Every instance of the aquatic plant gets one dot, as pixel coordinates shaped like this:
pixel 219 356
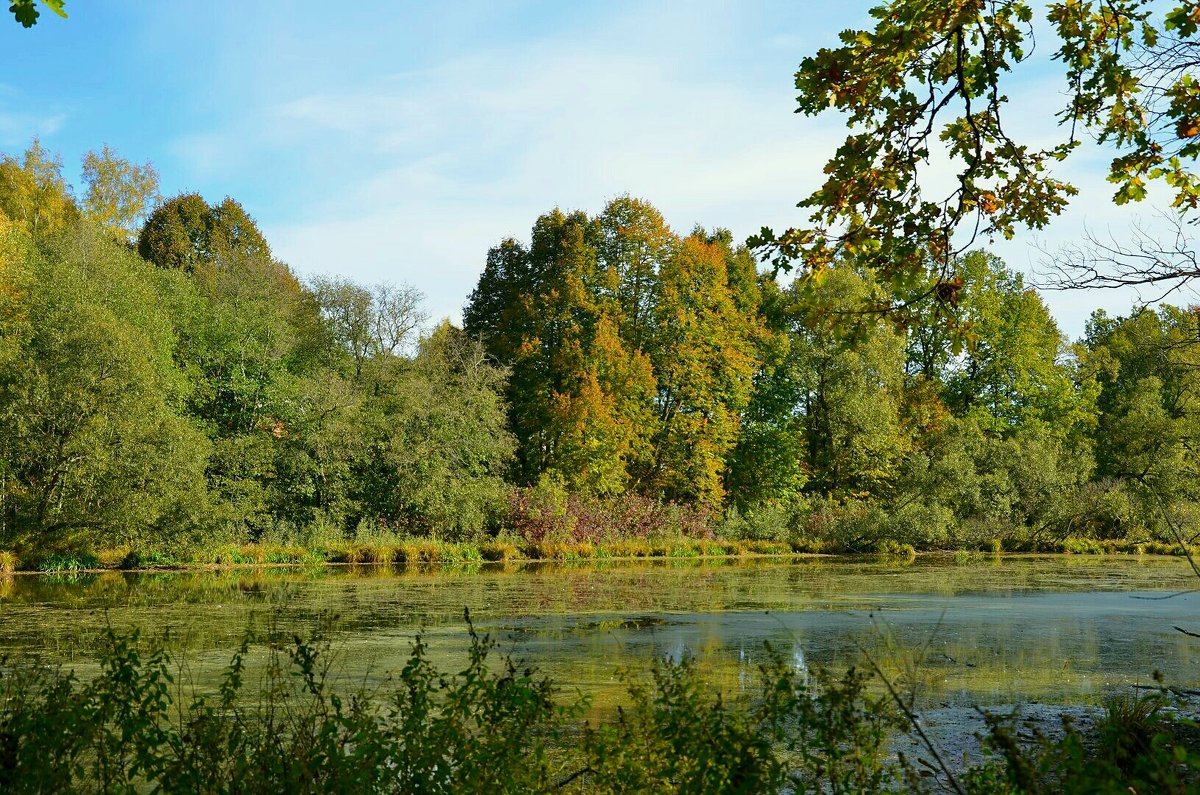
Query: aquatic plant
pixel 68 561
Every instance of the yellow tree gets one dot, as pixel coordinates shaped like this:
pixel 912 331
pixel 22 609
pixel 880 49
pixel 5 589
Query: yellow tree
pixel 33 192
pixel 119 194
pixel 704 356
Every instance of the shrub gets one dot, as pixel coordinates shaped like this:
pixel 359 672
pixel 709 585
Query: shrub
pixel 497 551
pixel 498 728
pixel 894 548
pixel 777 521
pixel 546 512
pixel 678 736
pixel 1081 546
pixel 474 731
pixel 489 728
pixel 149 559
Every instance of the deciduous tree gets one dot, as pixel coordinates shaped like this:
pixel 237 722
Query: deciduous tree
pixel 119 194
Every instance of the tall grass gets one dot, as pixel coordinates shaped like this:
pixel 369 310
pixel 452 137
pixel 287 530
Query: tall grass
pixel 406 551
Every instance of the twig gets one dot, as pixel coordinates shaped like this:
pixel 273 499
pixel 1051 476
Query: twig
pixel 1179 691
pixel 1168 596
pixel 914 722
pixel 565 781
pixel 1174 530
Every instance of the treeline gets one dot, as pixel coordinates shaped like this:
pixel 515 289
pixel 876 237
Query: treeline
pixel 171 381
pixel 164 379
pixel 646 362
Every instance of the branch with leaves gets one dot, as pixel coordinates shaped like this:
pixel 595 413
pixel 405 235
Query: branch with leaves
pixel 930 81
pixel 26 11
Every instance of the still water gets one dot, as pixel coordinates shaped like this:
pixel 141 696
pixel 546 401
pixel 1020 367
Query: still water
pixel 982 631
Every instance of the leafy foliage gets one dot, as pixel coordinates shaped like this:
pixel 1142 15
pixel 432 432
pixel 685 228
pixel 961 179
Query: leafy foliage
pixel 933 79
pixel 496 727
pixel 26 11
pixel 92 441
pixel 614 380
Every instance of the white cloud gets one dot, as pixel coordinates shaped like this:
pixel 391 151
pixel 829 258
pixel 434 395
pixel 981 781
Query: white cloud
pixel 411 175
pixel 18 128
pixel 472 151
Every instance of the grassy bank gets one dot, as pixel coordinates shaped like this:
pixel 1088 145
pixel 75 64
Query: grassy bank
pixel 397 553
pixel 424 551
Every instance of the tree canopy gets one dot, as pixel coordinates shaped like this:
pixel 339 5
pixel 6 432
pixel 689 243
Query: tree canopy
pixel 933 78
pixel 613 376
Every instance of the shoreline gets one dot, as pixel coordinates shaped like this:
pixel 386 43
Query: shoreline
pixel 448 555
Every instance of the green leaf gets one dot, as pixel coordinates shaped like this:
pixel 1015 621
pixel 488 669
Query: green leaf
pixel 25 12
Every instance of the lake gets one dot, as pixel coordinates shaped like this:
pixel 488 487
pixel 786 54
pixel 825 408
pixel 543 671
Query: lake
pixel 982 630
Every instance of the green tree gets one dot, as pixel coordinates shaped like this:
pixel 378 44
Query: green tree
pixel 966 486
pixel 827 413
pixel 578 395
pixel 438 443
pixel 849 374
pixel 249 340
pixel 632 352
pixel 94 448
pixel 704 354
pixel 635 243
pixel 1016 366
pixel 1147 367
pixel 769 464
pixel 186 232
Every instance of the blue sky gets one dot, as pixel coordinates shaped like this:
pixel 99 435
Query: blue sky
pixel 398 141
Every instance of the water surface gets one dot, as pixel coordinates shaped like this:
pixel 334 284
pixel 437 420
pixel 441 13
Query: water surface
pixel 984 631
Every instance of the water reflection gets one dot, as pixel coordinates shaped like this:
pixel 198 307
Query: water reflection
pixel 983 631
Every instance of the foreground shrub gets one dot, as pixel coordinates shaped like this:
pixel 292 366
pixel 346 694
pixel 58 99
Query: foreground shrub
pixel 494 727
pixel 1133 749
pixel 475 731
pixel 490 728
pixel 677 737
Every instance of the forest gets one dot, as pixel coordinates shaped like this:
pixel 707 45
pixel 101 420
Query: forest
pixel 167 384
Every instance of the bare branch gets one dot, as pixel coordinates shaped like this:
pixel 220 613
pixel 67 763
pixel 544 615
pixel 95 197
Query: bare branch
pixel 1149 256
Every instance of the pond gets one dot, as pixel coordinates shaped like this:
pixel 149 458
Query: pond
pixel 983 631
